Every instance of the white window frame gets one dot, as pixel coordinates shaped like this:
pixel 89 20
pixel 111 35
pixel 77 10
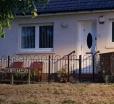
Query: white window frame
pixel 36 49
pixel 111 32
pixel 110 44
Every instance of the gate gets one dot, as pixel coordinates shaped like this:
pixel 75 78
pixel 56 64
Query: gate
pixel 74 68
pixel 90 69
pixel 65 68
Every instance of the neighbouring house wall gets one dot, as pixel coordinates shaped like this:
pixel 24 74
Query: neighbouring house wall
pixel 104 39
pixel 66 38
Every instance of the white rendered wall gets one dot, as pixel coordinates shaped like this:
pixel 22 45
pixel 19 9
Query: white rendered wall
pixel 66 38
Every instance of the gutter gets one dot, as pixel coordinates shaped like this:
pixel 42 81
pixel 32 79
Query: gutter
pixel 67 13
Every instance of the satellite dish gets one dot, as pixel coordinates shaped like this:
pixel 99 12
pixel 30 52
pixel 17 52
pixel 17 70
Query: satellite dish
pixel 89 40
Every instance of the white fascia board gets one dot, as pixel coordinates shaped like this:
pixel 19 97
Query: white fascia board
pixel 67 13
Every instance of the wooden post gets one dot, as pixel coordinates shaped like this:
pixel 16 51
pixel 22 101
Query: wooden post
pixel 49 62
pixel 12 78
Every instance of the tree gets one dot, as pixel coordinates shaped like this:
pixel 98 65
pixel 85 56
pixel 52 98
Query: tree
pixel 9 9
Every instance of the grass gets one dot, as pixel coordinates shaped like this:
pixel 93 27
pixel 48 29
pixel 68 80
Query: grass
pixel 69 102
pixel 28 102
pixel 55 93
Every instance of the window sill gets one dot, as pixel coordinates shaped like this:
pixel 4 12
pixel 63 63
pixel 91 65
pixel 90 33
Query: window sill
pixel 29 52
pixel 109 46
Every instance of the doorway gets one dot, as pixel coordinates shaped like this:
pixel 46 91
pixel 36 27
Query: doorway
pixel 88 37
pixel 88 45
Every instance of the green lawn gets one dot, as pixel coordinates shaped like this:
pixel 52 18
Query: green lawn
pixel 54 93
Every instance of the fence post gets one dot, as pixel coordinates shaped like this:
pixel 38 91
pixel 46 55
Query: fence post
pixel 8 62
pixel 93 62
pixel 80 66
pixel 11 73
pixel 49 62
pixel 68 68
pixel 29 73
pixel 12 78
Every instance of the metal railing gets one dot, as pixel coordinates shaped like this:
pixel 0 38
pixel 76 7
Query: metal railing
pixel 69 67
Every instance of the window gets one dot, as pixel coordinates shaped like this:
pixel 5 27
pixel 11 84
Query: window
pixel 36 38
pixel 112 31
pixel 28 37
pixel 46 37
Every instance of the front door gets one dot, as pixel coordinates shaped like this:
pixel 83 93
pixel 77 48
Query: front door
pixel 88 37
pixel 88 44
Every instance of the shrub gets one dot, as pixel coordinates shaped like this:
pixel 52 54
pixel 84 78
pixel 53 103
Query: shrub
pixel 62 75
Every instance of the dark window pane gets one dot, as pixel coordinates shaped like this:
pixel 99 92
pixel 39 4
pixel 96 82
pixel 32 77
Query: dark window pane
pixel 112 31
pixel 46 37
pixel 28 37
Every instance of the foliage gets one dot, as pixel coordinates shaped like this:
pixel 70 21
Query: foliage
pixel 9 9
pixel 62 75
pixel 107 77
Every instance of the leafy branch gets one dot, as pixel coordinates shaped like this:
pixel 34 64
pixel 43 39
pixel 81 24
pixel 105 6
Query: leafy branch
pixel 9 9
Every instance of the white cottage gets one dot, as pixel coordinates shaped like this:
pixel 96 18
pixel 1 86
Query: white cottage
pixel 62 26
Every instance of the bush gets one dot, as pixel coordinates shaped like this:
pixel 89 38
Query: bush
pixel 62 75
pixel 108 78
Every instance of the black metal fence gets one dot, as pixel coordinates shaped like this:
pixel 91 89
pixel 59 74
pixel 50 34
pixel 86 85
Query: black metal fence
pixel 70 68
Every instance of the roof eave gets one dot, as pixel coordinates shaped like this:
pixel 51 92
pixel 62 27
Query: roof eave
pixel 69 12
